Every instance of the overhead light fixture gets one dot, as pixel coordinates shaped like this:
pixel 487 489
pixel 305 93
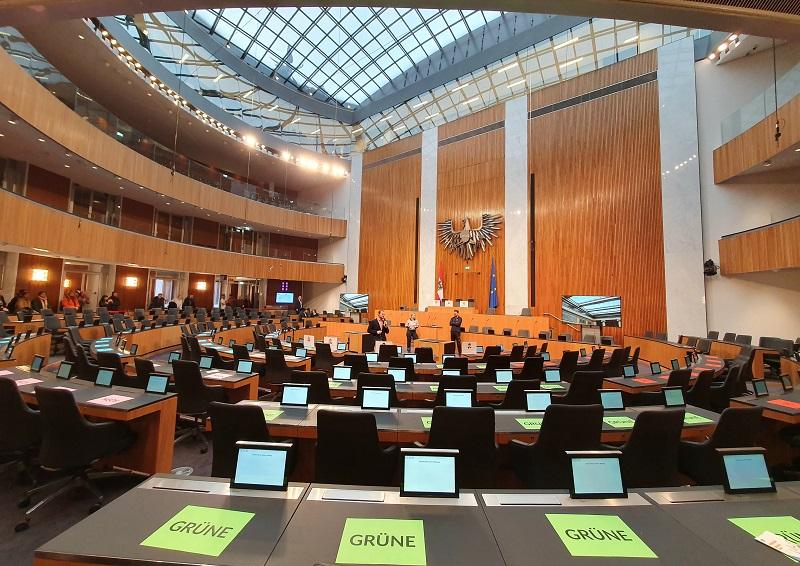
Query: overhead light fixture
pixel 733 37
pixel 418 104
pixel 573 62
pixel 80 36
pixel 515 83
pixel 12 122
pixel 465 85
pixel 631 39
pixel 39 275
pixel 294 121
pixel 568 42
pixel 357 130
pixel 41 140
pixel 250 141
pixel 471 100
pixel 67 166
pixel 42 250
pixel 506 68
pixel 722 47
pixel 433 115
pixel 798 149
pixel 315 131
pixel 219 76
pixel 712 56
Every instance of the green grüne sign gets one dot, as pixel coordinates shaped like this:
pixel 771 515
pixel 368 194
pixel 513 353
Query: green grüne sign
pixel 382 541
pixel 599 535
pixel 200 530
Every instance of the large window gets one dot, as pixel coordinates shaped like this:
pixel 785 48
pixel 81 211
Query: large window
pixel 95 205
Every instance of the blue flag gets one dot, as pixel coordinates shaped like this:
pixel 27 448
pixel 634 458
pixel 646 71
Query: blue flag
pixel 493 288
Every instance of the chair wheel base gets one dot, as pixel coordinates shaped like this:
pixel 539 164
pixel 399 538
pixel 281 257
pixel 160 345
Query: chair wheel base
pixel 23 526
pixel 24 503
pixel 95 507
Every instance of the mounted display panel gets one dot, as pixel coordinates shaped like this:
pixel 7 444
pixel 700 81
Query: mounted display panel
pixel 592 310
pixel 353 302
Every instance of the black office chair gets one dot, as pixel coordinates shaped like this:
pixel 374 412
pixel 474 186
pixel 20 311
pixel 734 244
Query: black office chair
pixel 517 353
pixel 424 355
pixel 319 390
pixel 349 452
pixel 114 361
pixel 634 360
pixel 568 364
pixel 490 351
pixel 86 368
pixel 194 397
pixel 20 428
pixel 699 394
pixel 743 339
pixel 532 368
pixel 544 464
pixel 194 348
pixel 737 427
pixel 597 358
pixel 584 389
pixel 233 423
pixel 677 378
pixel 531 351
pixel 456 382
pixel 650 456
pixel 358 363
pixel 240 352
pixel 720 394
pixel 376 380
pixel 71 445
pixel 275 371
pixel 712 334
pixel 324 360
pixel 471 432
pixel 386 352
pixel 515 394
pixel 492 364
pixel 461 364
pixel 217 361
pixel 144 369
pixel 614 366
pixel 405 363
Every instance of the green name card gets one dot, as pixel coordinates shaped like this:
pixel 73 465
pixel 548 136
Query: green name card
pixel 531 424
pixel 272 414
pixel 434 387
pixel 619 422
pixel 551 386
pixel 787 527
pixel 691 418
pixel 334 384
pixel 426 421
pixel 383 541
pixel 199 530
pixel 502 387
pixel 599 535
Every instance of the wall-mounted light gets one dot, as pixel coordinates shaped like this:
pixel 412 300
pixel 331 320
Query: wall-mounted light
pixel 131 281
pixel 201 286
pixel 39 275
pixel 67 283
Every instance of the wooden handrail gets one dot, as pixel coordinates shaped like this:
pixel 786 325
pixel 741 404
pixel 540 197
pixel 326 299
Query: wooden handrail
pixel 562 321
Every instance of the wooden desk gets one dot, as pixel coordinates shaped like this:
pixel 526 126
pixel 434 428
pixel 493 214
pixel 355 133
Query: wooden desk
pixel 293 362
pixel 152 417
pixel 661 351
pixel 237 386
pixel 25 350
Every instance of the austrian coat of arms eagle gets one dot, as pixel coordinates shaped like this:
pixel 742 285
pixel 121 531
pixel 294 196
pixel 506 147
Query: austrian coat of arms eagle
pixel 465 242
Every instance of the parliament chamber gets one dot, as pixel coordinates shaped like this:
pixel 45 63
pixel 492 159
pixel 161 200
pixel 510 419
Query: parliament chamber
pixel 413 285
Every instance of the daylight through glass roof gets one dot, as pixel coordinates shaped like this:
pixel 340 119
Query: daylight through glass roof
pixel 342 55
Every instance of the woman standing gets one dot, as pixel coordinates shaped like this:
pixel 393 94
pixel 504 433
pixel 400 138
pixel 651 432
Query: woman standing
pixel 411 330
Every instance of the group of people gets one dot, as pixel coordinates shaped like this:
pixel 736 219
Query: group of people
pixel 159 302
pixel 379 328
pixel 74 299
pixel 22 302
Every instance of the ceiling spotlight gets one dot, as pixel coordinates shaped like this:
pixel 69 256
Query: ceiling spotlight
pixel 722 47
pixel 733 37
pixel 712 56
pixel 80 36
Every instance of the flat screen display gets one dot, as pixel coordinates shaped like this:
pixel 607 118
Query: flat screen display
pixel 546 356
pixel 174 356
pixel 760 387
pixel 552 376
pixel 503 375
pixel 36 363
pixel 674 364
pixel 628 371
pixel 261 465
pixel 655 368
pixel 592 310
pixel 295 394
pixel 104 377
pixel 300 353
pixel 341 373
pixel 611 399
pixel 412 357
pixel 673 397
pixel 205 362
pixel 64 370
pixel 537 401
pixel 353 302
pixel 371 356
pixel 157 384
pixel 375 398
pixel 451 372
pixel 398 374
pixel 596 476
pixel 746 471
pixel 429 473
pixel 458 398
pixel 244 366
pixel 284 298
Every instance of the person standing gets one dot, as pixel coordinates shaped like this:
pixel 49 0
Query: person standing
pixel 379 327
pixel 455 330
pixel 411 330
pixel 188 301
pixel 222 302
pixel 40 302
pixel 298 304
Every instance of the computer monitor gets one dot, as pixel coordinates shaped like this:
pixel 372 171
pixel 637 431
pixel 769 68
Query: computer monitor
pixel 596 474
pixel 552 375
pixel 205 362
pixel 760 387
pixel 786 383
pixel 674 364
pixel 341 373
pixel 445 356
pixel 745 470
pixel 655 368
pixel 173 356
pixel 295 394
pixel 537 401
pixel 546 356
pixel 451 372
pixel 399 350
pixel 250 346
pixel 261 465
pixel 611 399
pixel 9 351
pixel 628 371
pixel 688 359
pixel 64 370
pixel 157 384
pixel 673 396
pixel 583 352
pixel 372 357
pixel 479 349
pixel 375 398
pixel 458 397
pixel 134 349
pixel 244 366
pixel 413 357
pixel 428 473
pixel 123 345
pixel 231 343
pixel 300 353
pixel 36 363
pixel 398 374
pixel 104 377
pixel 341 347
pixel 503 375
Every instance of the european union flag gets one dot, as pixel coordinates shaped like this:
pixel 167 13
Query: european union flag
pixel 493 288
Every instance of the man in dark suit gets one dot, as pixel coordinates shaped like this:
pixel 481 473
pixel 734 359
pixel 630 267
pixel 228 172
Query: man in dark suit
pixel 298 304
pixel 455 330
pixel 40 302
pixel 378 327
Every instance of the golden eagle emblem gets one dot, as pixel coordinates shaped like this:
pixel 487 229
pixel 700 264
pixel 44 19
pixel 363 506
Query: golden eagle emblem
pixel 466 241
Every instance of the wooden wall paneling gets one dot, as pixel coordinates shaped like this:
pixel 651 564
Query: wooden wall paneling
pixel 136 216
pixel 395 148
pixel 205 233
pixel 387 252
pixel 293 247
pixel 762 249
pixel 53 265
pixel 471 182
pixel 598 207
pixel 275 286
pixel 202 298
pixel 29 224
pixel 32 102
pixel 473 121
pixel 132 297
pixel 47 188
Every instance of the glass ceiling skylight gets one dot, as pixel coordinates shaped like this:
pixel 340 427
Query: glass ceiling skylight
pixel 338 54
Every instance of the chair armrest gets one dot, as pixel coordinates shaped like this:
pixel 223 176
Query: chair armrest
pixel 520 444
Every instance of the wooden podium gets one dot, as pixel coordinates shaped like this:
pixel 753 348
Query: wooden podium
pixel 360 341
pixel 440 347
